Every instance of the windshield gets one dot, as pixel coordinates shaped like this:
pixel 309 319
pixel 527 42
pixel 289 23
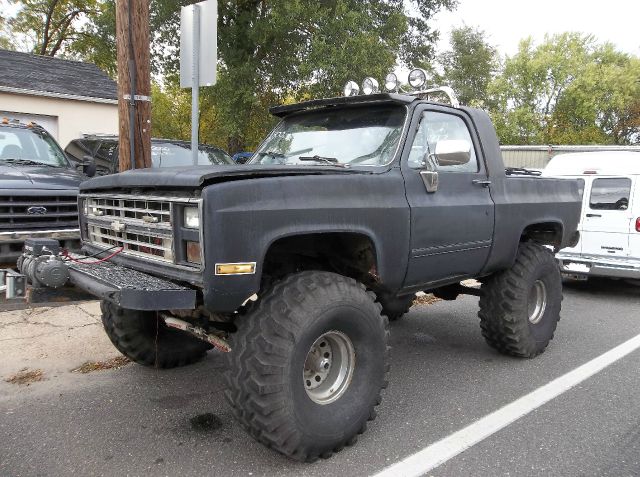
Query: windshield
pixel 30 146
pixel 365 135
pixel 172 154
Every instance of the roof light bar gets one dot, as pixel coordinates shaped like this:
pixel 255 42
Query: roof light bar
pixel 417 79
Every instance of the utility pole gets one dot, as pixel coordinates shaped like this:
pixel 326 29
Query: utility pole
pixel 134 83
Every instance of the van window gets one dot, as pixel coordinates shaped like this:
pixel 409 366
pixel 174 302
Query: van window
pixel 610 194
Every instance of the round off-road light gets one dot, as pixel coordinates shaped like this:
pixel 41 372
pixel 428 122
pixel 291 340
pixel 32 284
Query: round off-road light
pixel 391 82
pixel 351 88
pixel 370 85
pixel 417 78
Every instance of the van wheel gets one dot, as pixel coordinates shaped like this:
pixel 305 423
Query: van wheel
pixel 520 307
pixel 143 337
pixel 307 365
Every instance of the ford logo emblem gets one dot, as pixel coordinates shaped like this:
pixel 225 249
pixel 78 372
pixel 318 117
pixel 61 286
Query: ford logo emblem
pixel 37 210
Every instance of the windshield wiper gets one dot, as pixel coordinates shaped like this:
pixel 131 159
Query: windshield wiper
pixel 514 171
pixel 271 153
pixel 26 162
pixel 332 161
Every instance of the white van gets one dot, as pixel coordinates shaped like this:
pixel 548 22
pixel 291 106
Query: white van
pixel 609 226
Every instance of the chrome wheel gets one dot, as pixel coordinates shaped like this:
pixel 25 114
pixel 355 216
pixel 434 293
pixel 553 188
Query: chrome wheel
pixel 537 302
pixel 328 368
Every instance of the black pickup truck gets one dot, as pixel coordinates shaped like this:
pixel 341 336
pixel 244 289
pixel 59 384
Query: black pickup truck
pixel 294 263
pixel 38 189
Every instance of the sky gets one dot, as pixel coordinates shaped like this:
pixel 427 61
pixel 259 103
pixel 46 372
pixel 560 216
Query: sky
pixel 507 22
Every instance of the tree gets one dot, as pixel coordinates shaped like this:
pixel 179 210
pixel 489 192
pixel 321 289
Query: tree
pixel 468 66
pixel 271 51
pixel 568 90
pixel 52 25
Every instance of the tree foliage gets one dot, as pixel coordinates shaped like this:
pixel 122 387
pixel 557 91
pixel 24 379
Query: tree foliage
pixel 468 66
pixel 52 26
pixel 567 90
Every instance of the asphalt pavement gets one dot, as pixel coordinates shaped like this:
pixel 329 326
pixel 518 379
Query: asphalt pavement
pixel 140 421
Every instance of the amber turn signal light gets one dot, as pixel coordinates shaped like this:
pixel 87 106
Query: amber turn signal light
pixel 235 268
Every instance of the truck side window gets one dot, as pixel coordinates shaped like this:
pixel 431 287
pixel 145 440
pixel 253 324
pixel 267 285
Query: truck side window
pixel 433 127
pixel 610 194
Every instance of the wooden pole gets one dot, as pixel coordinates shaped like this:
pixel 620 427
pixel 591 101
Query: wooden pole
pixel 134 104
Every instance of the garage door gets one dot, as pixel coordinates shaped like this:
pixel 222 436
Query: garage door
pixel 50 123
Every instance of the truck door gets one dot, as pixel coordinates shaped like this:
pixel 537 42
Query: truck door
pixel 608 220
pixel 451 227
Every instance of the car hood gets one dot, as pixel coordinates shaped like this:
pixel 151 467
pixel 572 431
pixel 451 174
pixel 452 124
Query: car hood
pixel 197 176
pixel 37 177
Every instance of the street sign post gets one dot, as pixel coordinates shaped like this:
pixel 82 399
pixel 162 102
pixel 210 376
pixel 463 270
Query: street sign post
pixel 198 56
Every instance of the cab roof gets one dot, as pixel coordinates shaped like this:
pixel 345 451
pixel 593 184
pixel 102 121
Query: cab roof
pixel 609 163
pixel 286 109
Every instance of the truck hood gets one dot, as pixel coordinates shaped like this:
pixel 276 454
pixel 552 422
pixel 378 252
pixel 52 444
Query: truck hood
pixel 37 177
pixel 171 177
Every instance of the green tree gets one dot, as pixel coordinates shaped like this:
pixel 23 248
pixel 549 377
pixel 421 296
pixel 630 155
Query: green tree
pixel 469 65
pixel 291 49
pixel 568 90
pixel 52 25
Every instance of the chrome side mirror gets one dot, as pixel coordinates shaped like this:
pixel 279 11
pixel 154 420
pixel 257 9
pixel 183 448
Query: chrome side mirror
pixel 453 152
pixel 430 173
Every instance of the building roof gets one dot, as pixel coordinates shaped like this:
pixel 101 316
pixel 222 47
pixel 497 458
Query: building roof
pixel 24 73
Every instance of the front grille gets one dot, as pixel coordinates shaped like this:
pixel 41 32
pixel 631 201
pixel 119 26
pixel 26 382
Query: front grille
pixel 141 226
pixel 38 212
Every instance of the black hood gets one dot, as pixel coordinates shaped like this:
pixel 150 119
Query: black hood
pixel 169 177
pixel 13 176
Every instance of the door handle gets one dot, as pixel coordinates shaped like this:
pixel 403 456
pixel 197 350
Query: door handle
pixel 481 182
pixel 594 215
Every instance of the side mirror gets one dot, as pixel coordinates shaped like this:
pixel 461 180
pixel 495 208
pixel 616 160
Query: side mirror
pixel 89 166
pixel 453 152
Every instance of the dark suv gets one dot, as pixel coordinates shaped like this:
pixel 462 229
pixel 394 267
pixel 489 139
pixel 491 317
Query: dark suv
pixel 38 189
pixel 103 150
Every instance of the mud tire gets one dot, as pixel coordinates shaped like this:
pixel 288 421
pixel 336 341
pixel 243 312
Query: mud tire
pixel 143 337
pixel 264 376
pixel 505 303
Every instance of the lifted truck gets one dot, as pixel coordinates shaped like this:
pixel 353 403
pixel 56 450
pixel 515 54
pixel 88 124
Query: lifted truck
pixel 294 263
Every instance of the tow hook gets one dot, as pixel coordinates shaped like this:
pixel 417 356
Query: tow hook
pixel 197 331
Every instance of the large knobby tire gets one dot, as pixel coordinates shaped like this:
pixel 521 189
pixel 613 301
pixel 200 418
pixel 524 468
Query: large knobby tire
pixel 393 307
pixel 143 337
pixel 275 381
pixel 520 307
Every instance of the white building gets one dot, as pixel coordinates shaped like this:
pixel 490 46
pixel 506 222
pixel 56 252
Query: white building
pixel 66 97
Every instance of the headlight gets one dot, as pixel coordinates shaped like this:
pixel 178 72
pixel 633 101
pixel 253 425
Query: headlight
pixel 391 82
pixel 351 89
pixel 370 85
pixel 191 218
pixel 417 78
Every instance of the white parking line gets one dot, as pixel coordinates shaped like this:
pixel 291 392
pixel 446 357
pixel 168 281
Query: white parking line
pixel 439 452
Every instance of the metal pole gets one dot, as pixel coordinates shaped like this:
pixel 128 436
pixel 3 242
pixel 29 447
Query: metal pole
pixel 195 84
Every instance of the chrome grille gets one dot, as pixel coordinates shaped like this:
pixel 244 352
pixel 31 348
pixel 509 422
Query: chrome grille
pixel 21 212
pixel 141 226
pixel 137 210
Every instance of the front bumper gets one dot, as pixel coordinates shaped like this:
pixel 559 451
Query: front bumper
pixel 586 266
pixel 131 289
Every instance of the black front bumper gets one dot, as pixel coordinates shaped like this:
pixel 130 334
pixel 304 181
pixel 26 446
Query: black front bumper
pixel 131 289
